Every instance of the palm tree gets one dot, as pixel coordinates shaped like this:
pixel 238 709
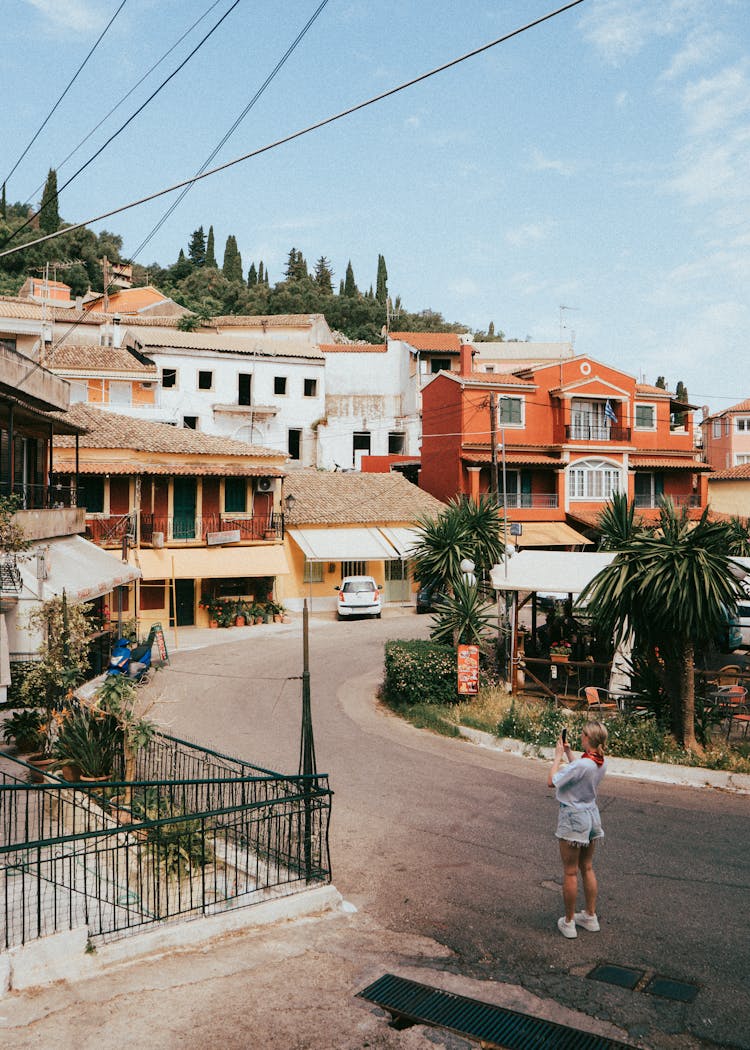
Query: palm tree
pixel 465 529
pixel 672 586
pixel 462 618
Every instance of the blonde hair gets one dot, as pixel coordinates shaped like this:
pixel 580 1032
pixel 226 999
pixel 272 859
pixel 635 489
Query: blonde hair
pixel 597 734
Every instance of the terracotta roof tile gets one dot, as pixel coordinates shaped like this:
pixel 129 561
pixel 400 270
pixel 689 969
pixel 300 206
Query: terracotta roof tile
pixel 156 338
pixel 670 462
pixel 739 473
pixel 88 357
pixel 64 463
pixel 338 498
pixel 646 388
pixel 445 342
pixel 265 320
pixel 741 406
pixel 353 348
pixel 115 431
pixel 539 459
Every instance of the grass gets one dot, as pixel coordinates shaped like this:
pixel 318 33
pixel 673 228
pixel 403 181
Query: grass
pixel 539 723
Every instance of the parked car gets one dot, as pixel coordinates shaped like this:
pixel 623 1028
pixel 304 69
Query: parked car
pixel 359 596
pixel 428 595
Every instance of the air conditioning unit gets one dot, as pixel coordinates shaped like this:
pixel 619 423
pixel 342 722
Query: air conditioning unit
pixel 158 540
pixel 147 384
pixel 265 484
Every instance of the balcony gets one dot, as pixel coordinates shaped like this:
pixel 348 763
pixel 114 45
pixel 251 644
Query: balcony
pixel 528 500
pixel 176 529
pixel 596 432
pixel 647 502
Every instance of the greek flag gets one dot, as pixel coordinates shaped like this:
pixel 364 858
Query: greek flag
pixel 609 412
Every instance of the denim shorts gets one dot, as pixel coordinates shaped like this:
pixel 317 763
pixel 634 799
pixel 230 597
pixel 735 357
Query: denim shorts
pixel 579 827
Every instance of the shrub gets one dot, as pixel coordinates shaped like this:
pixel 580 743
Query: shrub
pixel 419 672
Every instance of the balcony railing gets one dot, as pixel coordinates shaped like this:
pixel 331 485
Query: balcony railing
pixel 176 528
pixel 644 502
pixel 39 497
pixel 522 500
pixel 596 432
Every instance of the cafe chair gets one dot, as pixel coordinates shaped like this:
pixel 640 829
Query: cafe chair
pixel 598 701
pixel 734 707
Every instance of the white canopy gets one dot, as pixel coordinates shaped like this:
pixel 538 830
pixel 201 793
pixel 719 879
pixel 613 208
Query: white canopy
pixel 556 572
pixel 363 544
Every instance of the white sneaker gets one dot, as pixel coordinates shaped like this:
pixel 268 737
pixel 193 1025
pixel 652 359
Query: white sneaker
pixel 588 922
pixel 567 929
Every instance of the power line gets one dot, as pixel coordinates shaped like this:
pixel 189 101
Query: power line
pixel 172 208
pixel 127 95
pixel 122 127
pixel 67 89
pixel 297 134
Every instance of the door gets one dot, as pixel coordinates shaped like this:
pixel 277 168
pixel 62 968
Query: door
pixel 184 592
pixel 396 583
pixel 183 524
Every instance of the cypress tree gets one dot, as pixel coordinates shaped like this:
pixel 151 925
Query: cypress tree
pixel 324 275
pixel 197 247
pixel 261 278
pixel 232 267
pixel 49 216
pixel 350 287
pixel 381 284
pixel 252 276
pixel 341 286
pixel 661 382
pixel 211 250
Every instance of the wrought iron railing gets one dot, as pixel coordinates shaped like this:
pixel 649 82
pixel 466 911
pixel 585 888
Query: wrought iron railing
pixel 11 581
pixel 537 500
pixel 596 432
pixel 194 833
pixel 645 502
pixel 39 497
pixel 111 531
pixel 174 527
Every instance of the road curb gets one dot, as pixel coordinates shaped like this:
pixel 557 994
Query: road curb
pixel 635 769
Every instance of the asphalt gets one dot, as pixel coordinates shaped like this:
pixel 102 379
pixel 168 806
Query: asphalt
pixel 290 986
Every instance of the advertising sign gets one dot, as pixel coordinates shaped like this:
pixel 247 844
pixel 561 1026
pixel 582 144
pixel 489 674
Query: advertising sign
pixel 468 670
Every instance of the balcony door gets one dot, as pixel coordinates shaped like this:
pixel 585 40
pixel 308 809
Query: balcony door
pixel 588 421
pixel 183 523
pixel 648 489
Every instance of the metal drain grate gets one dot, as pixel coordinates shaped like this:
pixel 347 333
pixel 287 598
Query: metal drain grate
pixel 409 1002
pixel 666 988
pixel 622 976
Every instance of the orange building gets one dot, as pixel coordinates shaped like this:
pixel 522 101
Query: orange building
pixel 568 434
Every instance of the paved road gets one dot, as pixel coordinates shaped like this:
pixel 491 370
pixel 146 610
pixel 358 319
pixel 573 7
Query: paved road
pixel 438 838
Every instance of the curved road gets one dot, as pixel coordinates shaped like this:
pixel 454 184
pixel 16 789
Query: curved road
pixel 438 837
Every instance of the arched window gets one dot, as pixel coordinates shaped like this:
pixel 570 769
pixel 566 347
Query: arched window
pixel 593 480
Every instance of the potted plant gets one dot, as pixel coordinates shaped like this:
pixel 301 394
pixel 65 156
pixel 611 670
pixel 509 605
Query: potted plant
pixel 560 652
pixel 90 741
pixel 25 727
pixel 240 615
pixel 277 610
pixel 213 606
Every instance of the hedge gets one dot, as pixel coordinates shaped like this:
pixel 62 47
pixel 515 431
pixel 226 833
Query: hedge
pixel 419 672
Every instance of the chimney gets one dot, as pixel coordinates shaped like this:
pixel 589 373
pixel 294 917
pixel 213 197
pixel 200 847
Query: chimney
pixel 467 352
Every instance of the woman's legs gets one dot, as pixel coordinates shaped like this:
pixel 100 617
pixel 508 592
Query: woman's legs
pixel 588 876
pixel 570 859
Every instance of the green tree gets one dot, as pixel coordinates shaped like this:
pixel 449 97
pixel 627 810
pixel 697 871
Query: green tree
pixel 465 529
pixel 463 617
pixel 3 204
pixel 381 284
pixel 681 394
pixel 350 287
pixel 661 382
pixel 262 278
pixel 197 247
pixel 324 276
pixel 211 250
pixel 252 276
pixel 296 266
pixel 671 586
pixel 49 216
pixel 232 266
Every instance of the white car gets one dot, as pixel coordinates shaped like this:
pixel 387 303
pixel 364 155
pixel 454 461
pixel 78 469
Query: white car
pixel 359 596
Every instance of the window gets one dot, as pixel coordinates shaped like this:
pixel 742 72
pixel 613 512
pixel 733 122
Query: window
pixel 190 422
pixel 120 393
pixel 741 459
pixel 235 495
pixel 353 568
pixel 168 378
pixel 313 572
pixel 244 388
pixel 510 411
pixel 594 480
pixel 279 385
pixel 743 424
pixel 205 380
pixel 92 495
pixel 489 368
pixel 79 391
pixel 361 441
pixel 294 441
pixel 395 443
pixel 152 594
pixel 645 417
pixel 440 364
pixel 311 387
pixel 7 343
pixel 717 428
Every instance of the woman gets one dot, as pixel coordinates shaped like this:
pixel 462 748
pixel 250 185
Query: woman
pixel 579 824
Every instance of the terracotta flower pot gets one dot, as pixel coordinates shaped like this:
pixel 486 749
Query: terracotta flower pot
pixel 277 618
pixel 71 772
pixel 558 658
pixel 213 624
pixel 39 766
pixel 239 621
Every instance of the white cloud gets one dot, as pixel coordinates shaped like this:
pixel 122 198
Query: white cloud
pixel 412 122
pixel 538 162
pixel 714 103
pixel 75 15
pixel 622 99
pixel 464 287
pixel 619 29
pixel 700 48
pixel 530 233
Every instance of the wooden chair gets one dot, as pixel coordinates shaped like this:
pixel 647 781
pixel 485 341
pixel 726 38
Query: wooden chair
pixel 598 701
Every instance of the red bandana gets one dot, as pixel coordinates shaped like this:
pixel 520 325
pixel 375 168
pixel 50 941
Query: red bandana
pixel 599 759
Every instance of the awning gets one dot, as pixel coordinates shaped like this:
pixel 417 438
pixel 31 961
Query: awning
pixel 402 539
pixel 213 563
pixel 81 569
pixel 548 534
pixel 551 572
pixel 343 544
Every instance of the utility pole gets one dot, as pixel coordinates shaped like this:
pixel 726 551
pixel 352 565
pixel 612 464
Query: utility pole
pixel 105 278
pixel 494 485
pixel 307 764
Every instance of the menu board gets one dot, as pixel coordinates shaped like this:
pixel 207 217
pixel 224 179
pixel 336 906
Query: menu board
pixel 468 670
pixel 160 642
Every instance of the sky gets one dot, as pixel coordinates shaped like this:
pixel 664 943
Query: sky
pixel 587 179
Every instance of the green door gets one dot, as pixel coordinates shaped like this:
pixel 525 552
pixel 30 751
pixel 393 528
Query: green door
pixel 183 526
pixel 185 598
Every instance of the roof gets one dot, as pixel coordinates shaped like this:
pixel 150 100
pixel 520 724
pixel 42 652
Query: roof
pixel 126 464
pixel 339 498
pixel 658 462
pixel 741 406
pixel 232 344
pixel 88 357
pixel 738 473
pixel 656 391
pixel 529 459
pixel 354 348
pixel 132 300
pixel 442 342
pixel 486 379
pixel 114 431
pixel 558 572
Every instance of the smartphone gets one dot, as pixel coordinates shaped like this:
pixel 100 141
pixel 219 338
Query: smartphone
pixel 564 735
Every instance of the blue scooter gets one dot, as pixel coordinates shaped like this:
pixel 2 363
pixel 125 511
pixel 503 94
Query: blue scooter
pixel 132 663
